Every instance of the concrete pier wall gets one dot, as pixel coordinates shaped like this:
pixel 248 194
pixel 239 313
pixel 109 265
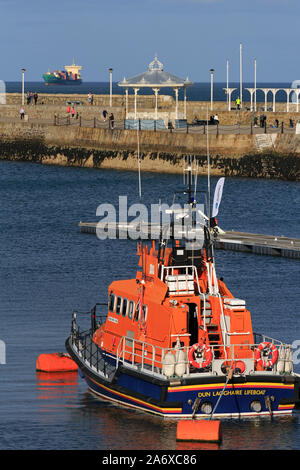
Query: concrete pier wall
pixel 231 155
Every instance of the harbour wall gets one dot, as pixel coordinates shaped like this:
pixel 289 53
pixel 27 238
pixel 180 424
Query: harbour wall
pixel 231 155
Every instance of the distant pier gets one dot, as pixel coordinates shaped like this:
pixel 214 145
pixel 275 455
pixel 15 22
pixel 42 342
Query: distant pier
pixel 234 241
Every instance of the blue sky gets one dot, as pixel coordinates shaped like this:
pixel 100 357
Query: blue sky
pixel 189 36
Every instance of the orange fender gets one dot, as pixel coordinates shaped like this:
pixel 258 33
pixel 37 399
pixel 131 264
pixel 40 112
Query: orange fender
pixel 56 362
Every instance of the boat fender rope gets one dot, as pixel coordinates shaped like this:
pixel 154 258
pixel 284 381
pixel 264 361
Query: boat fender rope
pixel 265 347
pixel 200 350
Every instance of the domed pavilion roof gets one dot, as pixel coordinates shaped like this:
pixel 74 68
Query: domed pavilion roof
pixel 155 76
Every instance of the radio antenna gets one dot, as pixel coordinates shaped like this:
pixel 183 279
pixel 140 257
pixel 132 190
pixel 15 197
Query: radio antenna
pixel 208 172
pixel 139 164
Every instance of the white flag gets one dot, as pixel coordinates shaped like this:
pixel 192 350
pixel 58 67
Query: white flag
pixel 217 197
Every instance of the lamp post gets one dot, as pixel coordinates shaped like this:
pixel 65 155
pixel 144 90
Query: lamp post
pixel 23 71
pixel 110 87
pixel 227 81
pixel 211 89
pixel 241 74
pixel 255 85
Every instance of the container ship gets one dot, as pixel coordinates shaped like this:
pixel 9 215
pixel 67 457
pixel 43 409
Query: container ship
pixel 69 76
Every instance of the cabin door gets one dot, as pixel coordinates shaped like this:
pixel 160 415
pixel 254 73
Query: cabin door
pixel 193 323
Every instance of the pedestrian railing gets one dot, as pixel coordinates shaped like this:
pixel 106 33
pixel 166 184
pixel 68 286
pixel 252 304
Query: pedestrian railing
pixel 204 129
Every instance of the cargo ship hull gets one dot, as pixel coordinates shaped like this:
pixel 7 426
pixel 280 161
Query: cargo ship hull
pixel 52 80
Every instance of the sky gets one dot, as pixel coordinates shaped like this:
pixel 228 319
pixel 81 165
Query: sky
pixel 189 36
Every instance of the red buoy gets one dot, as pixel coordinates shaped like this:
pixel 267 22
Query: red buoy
pixel 56 362
pixel 193 430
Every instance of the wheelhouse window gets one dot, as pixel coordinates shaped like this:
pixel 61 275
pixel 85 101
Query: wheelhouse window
pixel 111 302
pixel 124 307
pixel 145 311
pixel 137 312
pixel 131 309
pixel 118 305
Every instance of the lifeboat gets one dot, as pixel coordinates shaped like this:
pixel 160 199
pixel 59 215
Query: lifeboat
pixel 174 341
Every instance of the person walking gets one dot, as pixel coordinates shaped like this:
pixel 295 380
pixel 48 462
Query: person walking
pixel 22 112
pixel 73 111
pixel 104 113
pixel 35 97
pixel 261 120
pixel 238 103
pixel 111 121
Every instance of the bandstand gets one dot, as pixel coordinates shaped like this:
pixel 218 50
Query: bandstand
pixel 155 78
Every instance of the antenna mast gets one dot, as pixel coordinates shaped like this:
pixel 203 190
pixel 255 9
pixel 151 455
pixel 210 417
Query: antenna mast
pixel 139 164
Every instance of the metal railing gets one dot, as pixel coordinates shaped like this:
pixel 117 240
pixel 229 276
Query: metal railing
pixel 94 122
pixel 154 359
pixel 165 362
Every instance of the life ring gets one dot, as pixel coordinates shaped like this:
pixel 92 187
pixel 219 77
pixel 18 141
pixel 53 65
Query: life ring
pixel 266 362
pixel 204 351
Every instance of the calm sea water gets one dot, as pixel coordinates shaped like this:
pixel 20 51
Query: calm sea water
pixel 197 92
pixel 48 268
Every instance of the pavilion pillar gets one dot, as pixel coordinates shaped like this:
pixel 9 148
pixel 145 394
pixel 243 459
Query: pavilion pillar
pixel 251 91
pixel 184 102
pixel 126 103
pixel 135 102
pixel 266 99
pixel 297 98
pixel 229 91
pixel 156 90
pixel 176 103
pixel 229 99
pixel 274 99
pixel 287 90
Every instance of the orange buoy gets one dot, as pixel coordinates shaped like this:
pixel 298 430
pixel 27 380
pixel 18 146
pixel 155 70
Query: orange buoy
pixel 56 362
pixel 192 430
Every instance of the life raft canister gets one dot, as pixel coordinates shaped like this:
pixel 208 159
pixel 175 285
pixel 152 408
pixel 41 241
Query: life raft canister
pixel 269 362
pixel 203 351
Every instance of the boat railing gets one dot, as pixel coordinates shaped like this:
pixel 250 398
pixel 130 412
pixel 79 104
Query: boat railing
pixel 88 351
pixel 180 279
pixel 97 318
pixel 174 362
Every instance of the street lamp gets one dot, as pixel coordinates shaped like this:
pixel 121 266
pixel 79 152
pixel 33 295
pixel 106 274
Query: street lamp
pixel 23 71
pixel 211 89
pixel 110 87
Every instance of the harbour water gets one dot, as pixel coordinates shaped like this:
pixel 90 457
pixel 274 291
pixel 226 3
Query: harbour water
pixel 48 268
pixel 197 92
